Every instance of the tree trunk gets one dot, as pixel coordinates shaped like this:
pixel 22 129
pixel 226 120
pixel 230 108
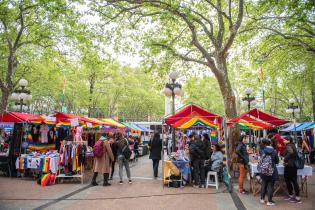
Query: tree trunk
pixel 5 93
pixel 229 101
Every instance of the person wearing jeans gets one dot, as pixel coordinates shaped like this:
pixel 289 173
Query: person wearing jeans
pixel 122 161
pixel 242 159
pixel 122 143
pixel 290 171
pixel 155 146
pixel 269 181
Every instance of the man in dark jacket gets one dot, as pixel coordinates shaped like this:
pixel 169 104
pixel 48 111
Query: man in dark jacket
pixel 242 159
pixel 290 171
pixel 197 153
pixel 269 181
pixel 155 146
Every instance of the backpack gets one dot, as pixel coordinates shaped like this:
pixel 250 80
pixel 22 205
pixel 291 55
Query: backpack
pixel 98 149
pixel 299 161
pixel 265 166
pixel 127 151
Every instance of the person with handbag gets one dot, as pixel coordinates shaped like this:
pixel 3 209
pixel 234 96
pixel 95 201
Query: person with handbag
pixel 123 156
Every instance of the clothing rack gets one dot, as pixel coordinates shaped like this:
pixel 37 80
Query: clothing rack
pixel 81 174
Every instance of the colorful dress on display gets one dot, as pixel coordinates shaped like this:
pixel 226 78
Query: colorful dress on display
pixel 78 134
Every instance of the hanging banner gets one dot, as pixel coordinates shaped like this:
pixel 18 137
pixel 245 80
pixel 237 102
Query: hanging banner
pixel 74 122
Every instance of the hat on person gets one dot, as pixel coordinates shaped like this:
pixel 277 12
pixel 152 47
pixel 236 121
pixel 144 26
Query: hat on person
pixel 103 138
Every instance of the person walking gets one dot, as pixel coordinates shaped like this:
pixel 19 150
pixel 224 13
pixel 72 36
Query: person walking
pixel 290 171
pixel 113 145
pixel 102 160
pixel 269 161
pixel 122 145
pixel 196 150
pixel 242 159
pixel 155 146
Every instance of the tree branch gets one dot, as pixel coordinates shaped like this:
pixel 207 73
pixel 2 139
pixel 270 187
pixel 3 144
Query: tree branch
pixel 235 27
pixel 183 57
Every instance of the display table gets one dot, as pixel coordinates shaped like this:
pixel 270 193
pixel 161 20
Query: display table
pixel 176 168
pixel 41 163
pixel 303 174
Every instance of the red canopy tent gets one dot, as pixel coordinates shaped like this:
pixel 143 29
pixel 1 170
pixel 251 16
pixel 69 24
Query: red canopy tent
pixel 192 112
pixel 15 117
pixel 258 118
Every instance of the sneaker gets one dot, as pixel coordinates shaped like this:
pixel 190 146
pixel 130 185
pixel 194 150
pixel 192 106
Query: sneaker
pixel 294 200
pixel 130 182
pixel 196 186
pixel 270 204
pixel 121 182
pixel 262 201
pixel 288 198
pixel 244 192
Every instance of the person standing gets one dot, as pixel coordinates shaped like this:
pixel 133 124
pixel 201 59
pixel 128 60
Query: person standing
pixel 270 159
pixel 290 171
pixel 242 159
pixel 102 161
pixel 113 146
pixel 122 144
pixel 207 143
pixel 196 150
pixel 155 146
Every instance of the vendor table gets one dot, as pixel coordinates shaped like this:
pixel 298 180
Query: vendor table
pixel 36 163
pixel 302 173
pixel 177 168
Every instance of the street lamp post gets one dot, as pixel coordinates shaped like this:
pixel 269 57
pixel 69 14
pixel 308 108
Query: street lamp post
pixel 173 89
pixel 292 109
pixel 21 95
pixel 249 99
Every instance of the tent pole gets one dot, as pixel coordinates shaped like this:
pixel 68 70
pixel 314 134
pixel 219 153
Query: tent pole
pixel 163 153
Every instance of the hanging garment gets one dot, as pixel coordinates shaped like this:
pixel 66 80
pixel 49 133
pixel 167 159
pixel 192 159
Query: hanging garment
pixel 44 129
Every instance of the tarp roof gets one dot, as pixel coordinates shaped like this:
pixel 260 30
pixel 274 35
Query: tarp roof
pixel 299 126
pixel 15 117
pixel 304 126
pixel 132 126
pixel 257 119
pixel 111 122
pixel 190 114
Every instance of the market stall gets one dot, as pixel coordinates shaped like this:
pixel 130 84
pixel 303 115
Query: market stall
pixel 187 119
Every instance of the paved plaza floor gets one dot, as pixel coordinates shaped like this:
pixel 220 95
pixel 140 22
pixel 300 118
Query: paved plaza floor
pixel 145 193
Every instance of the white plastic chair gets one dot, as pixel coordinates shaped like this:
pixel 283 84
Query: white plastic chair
pixel 210 183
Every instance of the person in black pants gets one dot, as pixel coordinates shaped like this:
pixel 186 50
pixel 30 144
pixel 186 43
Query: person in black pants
pixel 269 181
pixel 290 171
pixel 113 146
pixel 155 146
pixel 196 150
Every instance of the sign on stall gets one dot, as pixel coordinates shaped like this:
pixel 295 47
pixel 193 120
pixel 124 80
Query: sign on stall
pixel 50 119
pixel 89 125
pixel 74 122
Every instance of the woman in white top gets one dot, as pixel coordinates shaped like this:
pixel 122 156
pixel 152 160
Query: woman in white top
pixel 216 158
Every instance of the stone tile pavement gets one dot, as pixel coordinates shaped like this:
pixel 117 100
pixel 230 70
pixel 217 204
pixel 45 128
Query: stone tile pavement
pixel 144 193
